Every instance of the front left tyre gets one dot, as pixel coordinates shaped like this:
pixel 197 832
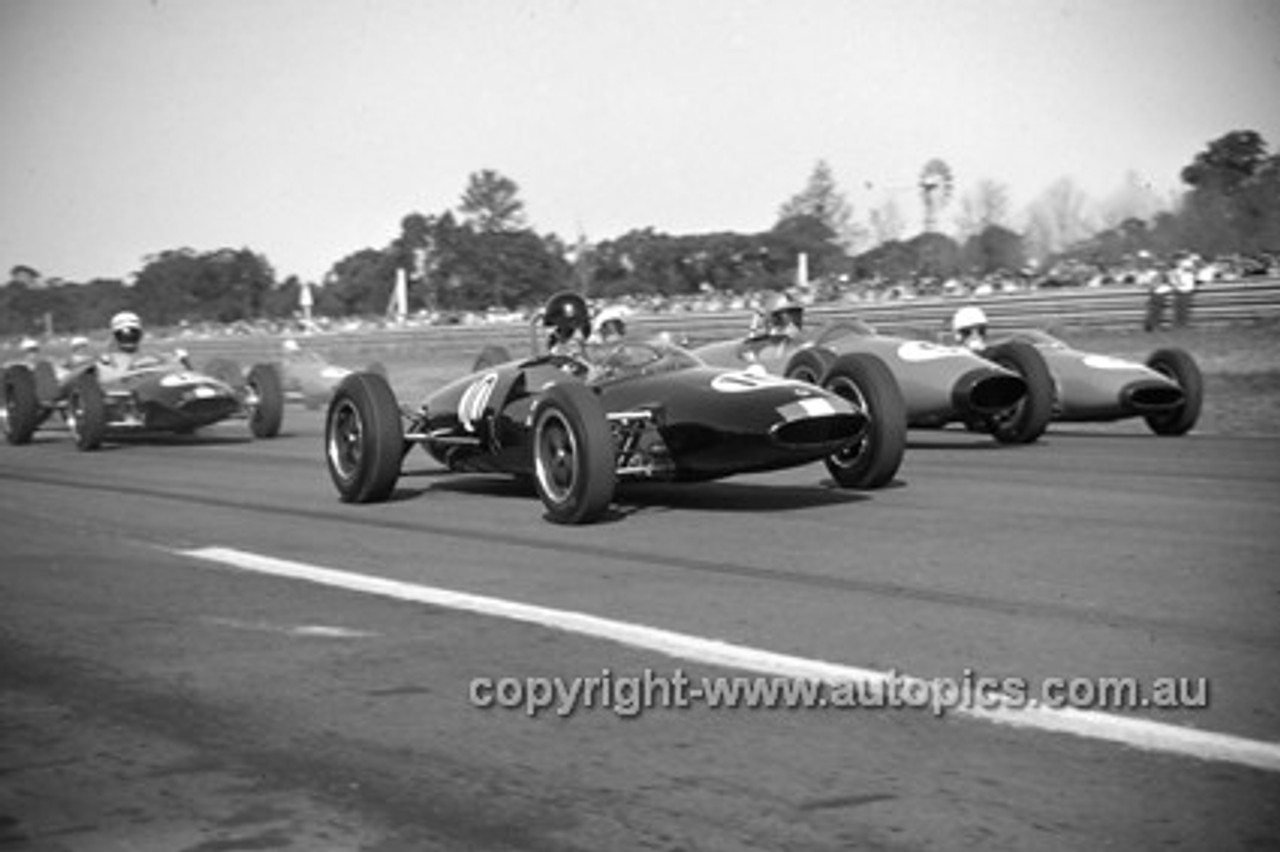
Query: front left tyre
pixel 364 439
pixel 573 454
pixel 873 460
pixel 1028 420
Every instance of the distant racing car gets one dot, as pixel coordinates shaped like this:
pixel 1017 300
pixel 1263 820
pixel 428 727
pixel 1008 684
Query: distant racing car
pixel 1006 391
pixel 1167 391
pixel 306 376
pixel 156 394
pixel 576 427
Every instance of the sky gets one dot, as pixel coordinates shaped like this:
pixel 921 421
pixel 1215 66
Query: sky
pixel 306 130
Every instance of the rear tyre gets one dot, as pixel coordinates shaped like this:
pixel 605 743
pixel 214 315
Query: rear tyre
pixel 809 365
pixel 1028 420
pixel 22 408
pixel 873 460
pixel 87 412
pixel 573 463
pixel 1179 366
pixel 266 400
pixel 490 356
pixel 364 439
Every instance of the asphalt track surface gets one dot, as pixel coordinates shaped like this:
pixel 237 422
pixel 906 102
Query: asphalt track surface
pixel 156 699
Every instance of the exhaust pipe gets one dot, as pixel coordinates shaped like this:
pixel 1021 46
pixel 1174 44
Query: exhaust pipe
pixel 985 391
pixel 1147 397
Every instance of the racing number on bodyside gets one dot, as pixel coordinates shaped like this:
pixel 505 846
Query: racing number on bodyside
pixel 474 401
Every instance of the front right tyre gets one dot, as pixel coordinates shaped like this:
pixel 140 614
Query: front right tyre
pixel 573 454
pixel 265 394
pixel 364 439
pixel 86 412
pixel 22 408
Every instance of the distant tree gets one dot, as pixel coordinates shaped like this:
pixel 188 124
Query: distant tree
pixel 984 206
pixel 474 269
pixel 1133 199
pixel 1234 202
pixel 823 200
pixel 994 249
pixel 490 203
pixel 282 300
pixel 23 274
pixel 1228 163
pixel 887 222
pixel 181 284
pixel 360 283
pixel 936 255
pixel 1058 218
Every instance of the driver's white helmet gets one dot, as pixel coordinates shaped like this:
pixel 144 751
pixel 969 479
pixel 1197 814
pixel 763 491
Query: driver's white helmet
pixel 29 344
pixel 611 323
pixel 782 315
pixel 126 328
pixel 291 346
pixel 970 326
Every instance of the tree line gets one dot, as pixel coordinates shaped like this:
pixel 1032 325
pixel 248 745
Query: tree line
pixel 483 253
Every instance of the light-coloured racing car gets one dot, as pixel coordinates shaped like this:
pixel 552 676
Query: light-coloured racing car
pixel 1005 391
pixel 306 376
pixel 1167 391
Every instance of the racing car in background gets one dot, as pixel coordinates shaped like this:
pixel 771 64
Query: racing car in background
pixel 1167 391
pixel 1006 391
pixel 155 394
pixel 577 426
pixel 306 376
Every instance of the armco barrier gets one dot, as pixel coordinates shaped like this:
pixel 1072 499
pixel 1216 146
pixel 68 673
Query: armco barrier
pixel 1102 307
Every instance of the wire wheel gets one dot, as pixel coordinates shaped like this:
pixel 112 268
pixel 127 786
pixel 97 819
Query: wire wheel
pixel 346 440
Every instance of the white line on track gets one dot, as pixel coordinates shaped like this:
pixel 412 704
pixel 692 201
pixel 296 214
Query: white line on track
pixel 1131 731
pixel 322 631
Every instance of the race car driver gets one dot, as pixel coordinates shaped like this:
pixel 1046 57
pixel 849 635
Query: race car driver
pixel 611 325
pixel 569 319
pixel 774 329
pixel 969 327
pixel 126 336
pixel 783 317
pixel 79 352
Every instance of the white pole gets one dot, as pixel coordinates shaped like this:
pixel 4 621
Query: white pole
pixel 402 295
pixel 802 270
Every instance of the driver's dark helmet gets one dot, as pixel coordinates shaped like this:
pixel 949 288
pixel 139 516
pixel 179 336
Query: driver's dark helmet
pixel 126 328
pixel 567 314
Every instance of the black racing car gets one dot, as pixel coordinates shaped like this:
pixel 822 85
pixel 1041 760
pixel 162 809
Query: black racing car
pixel 577 426
pixel 154 394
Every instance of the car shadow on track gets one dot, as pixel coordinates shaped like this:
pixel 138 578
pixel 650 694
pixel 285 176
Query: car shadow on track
pixel 156 439
pixel 645 497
